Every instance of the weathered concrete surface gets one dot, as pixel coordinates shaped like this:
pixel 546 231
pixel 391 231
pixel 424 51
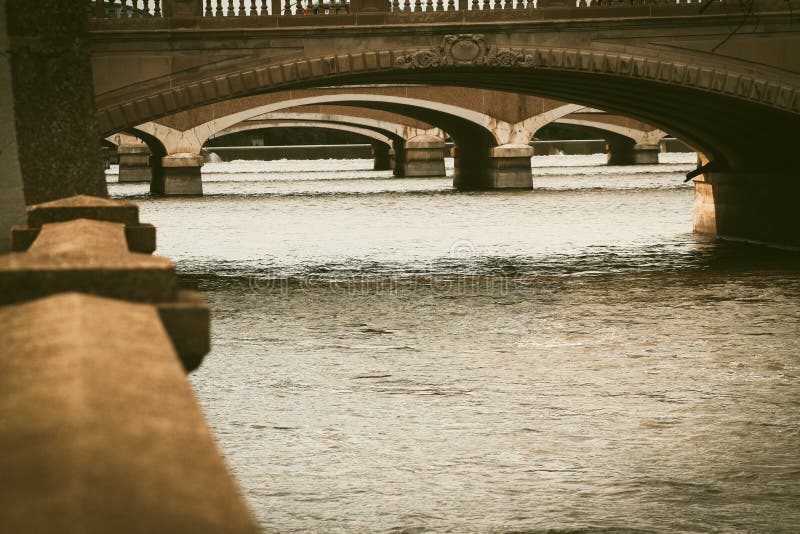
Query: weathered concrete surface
pixel 83 207
pixel 140 237
pixel 57 138
pixel 12 196
pixel 751 207
pixel 100 430
pixel 87 256
pixel 510 167
pixel 181 176
pixel 188 322
pixel 134 163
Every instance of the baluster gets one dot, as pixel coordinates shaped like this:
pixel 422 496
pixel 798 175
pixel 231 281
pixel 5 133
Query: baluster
pixel 209 12
pixel 253 8
pixel 396 6
pixel 123 9
pixel 218 10
pixel 430 5
pixel 241 12
pixel 451 5
pixel 157 8
pixel 229 12
pixel 263 8
pixel 287 9
pixel 417 6
pixel 439 5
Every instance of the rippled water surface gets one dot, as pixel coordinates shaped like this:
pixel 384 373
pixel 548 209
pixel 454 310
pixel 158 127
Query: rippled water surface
pixel 393 356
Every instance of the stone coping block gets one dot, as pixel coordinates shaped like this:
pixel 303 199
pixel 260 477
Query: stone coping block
pixel 133 149
pixel 100 429
pixel 182 160
pixel 83 207
pixel 87 256
pixel 140 238
pixel 512 151
pixel 188 322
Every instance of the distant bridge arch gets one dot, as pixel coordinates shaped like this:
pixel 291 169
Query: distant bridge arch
pixel 374 136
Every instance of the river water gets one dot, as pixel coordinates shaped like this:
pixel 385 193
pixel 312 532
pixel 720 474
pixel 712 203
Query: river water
pixel 394 356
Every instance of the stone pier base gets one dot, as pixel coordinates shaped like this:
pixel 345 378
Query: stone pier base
pixel 423 155
pixel 134 163
pixel 180 175
pixel 760 208
pixel 383 161
pixel 505 167
pixel 509 167
pixel 630 154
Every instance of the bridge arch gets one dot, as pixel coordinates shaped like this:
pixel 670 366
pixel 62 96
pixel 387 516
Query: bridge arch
pixel 373 136
pixel 690 96
pixel 637 136
pixel 468 125
pixel 394 131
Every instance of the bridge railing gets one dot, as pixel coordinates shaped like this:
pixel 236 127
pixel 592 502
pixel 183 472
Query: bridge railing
pixel 137 9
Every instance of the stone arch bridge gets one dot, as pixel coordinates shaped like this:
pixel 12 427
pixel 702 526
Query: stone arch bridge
pixel 495 126
pixel 718 75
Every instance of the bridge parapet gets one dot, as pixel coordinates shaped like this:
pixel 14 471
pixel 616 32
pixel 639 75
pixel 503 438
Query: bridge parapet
pixel 282 13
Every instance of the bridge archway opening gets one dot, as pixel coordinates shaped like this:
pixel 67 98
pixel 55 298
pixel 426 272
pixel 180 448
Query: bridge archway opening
pixel 699 114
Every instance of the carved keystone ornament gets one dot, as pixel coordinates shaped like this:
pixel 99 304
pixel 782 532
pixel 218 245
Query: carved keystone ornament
pixel 465 50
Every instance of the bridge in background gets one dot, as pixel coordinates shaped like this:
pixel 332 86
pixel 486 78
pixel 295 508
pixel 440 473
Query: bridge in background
pixel 127 449
pixel 414 122
pixel 710 74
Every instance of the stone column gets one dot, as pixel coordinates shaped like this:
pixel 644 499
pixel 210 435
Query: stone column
pixel 761 208
pixel 180 175
pixel 626 152
pixel 423 155
pixel 397 155
pixel 12 197
pixel 134 163
pixel 57 137
pixel 620 151
pixel 383 161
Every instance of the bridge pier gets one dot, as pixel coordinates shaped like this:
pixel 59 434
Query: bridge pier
pixel 134 163
pixel 180 176
pixel 629 153
pixel 383 158
pixel 505 167
pixel 751 207
pixel 422 155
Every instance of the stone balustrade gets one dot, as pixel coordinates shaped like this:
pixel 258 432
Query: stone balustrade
pixel 143 9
